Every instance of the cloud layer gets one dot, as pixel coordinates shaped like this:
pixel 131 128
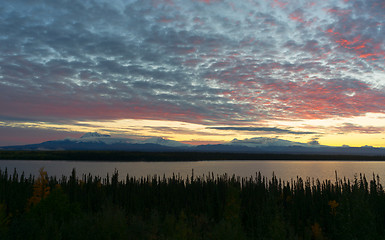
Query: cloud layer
pixel 210 62
pixel 263 130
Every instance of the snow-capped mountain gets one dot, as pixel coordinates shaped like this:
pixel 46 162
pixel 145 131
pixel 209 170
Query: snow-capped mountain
pixel 95 135
pixel 97 141
pixel 107 139
pixel 164 142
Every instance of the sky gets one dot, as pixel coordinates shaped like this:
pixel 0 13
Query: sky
pixel 195 71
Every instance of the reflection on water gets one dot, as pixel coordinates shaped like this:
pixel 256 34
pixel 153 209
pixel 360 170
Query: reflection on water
pixel 285 170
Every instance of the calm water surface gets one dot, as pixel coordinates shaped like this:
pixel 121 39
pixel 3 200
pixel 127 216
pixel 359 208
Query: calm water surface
pixel 285 170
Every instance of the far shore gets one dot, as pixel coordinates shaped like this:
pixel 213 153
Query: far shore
pixel 124 156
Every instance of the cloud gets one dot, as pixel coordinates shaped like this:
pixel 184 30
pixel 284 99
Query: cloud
pixel 210 62
pixel 355 128
pixel 263 129
pixel 266 142
pixel 169 131
pixel 18 136
pixel 314 142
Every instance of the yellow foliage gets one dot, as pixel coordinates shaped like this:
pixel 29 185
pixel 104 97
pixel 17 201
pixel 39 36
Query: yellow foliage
pixel 333 205
pixel 316 231
pixel 40 189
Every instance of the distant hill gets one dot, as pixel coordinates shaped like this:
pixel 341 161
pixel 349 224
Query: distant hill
pixel 96 141
pixel 260 145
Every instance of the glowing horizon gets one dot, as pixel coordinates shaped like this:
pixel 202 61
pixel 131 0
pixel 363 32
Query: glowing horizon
pixel 330 132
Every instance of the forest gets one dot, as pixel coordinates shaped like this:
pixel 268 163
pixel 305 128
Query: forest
pixel 193 207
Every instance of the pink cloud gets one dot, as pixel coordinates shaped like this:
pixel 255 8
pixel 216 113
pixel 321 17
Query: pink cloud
pixel 315 99
pixel 277 3
pixel 363 48
pixel 297 16
pixel 338 12
pixel 349 127
pixel 208 1
pixel 165 20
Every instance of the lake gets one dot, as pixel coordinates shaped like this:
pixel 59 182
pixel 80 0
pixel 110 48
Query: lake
pixel 285 170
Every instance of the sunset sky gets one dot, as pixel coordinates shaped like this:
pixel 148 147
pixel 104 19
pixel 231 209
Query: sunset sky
pixel 195 71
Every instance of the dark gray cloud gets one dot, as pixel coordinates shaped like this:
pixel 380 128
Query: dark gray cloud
pixel 265 141
pixel 263 129
pixel 314 141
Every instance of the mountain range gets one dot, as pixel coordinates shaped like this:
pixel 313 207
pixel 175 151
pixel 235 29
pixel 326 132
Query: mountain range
pixel 96 141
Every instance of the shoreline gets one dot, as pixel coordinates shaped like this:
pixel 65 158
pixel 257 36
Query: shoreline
pixel 123 156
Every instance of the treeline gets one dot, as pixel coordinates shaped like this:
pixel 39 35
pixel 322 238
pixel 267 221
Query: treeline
pixel 205 207
pixel 169 156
